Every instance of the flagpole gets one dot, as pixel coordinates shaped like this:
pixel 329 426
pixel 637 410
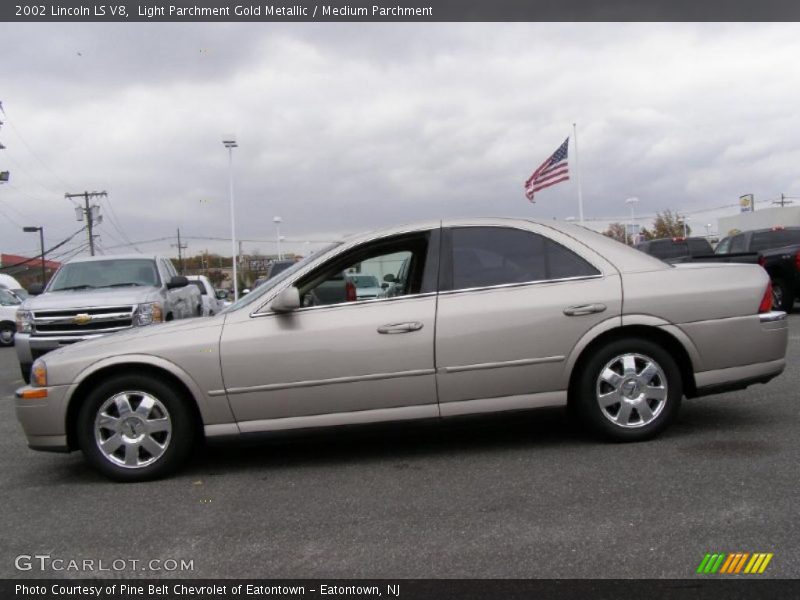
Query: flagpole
pixel 578 172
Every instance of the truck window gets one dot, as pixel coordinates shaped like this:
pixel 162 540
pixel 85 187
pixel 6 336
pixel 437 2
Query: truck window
pixel 737 243
pixel 105 273
pixel 764 240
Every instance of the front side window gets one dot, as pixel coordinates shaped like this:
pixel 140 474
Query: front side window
pixel 489 256
pixel 737 243
pixel 384 269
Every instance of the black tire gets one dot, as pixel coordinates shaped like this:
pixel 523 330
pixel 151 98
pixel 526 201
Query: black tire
pixel 7 331
pixel 177 444
pixel 586 394
pixel 782 297
pixel 25 369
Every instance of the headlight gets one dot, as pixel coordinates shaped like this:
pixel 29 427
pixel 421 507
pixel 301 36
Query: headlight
pixel 39 373
pixel 147 314
pixel 24 321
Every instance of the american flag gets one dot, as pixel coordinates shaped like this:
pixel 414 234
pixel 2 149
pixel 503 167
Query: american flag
pixel 552 171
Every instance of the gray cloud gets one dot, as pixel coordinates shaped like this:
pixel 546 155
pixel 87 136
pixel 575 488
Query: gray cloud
pixel 345 127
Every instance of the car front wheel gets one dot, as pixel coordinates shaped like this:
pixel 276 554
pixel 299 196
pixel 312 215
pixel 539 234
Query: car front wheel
pixel 629 390
pixel 133 428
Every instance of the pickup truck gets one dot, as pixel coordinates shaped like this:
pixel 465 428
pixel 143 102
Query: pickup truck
pixel 675 247
pixel 777 249
pixel 212 300
pixel 93 296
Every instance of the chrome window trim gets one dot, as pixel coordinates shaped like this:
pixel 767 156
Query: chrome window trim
pixel 353 303
pixel 520 284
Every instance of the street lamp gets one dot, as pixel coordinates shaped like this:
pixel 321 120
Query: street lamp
pixel 229 142
pixel 41 241
pixel 632 203
pixel 278 221
pixel 708 230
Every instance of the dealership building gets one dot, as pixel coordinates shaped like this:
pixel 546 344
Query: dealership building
pixel 778 216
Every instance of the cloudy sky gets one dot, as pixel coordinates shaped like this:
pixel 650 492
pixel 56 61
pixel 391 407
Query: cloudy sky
pixel 346 127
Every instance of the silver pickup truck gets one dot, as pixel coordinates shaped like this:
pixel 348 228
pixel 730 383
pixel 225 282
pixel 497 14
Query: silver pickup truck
pixel 90 297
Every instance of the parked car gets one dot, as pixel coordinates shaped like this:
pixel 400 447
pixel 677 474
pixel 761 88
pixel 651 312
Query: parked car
pixel 11 284
pixel 493 315
pixel 366 286
pixel 212 304
pixel 675 247
pixel 9 303
pixel 777 249
pixel 93 296
pixel 273 268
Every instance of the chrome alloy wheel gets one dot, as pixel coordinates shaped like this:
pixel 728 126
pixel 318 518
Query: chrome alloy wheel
pixel 631 390
pixel 132 429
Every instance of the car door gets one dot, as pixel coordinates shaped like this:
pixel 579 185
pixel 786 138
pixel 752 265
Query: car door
pixel 512 306
pixel 337 359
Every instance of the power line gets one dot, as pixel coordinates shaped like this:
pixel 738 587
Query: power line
pixel 45 253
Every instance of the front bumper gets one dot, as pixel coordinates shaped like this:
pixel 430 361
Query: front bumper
pixel 44 419
pixel 30 347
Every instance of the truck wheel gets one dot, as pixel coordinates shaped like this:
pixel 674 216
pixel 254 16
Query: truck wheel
pixel 7 331
pixel 628 390
pixel 782 298
pixel 133 428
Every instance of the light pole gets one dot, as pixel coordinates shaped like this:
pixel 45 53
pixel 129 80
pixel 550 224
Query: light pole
pixel 278 221
pixel 708 231
pixel 41 242
pixel 230 143
pixel 632 203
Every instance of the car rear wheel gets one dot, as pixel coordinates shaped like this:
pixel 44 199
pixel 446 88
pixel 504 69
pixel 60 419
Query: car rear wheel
pixel 629 390
pixel 7 331
pixel 134 428
pixel 782 298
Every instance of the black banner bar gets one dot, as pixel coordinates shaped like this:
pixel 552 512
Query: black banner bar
pixel 417 11
pixel 705 587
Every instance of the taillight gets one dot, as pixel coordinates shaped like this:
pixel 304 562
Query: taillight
pixel 762 261
pixel 797 261
pixel 350 291
pixel 766 301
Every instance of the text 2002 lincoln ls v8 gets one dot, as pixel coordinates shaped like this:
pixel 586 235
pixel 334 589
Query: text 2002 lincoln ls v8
pixel 485 315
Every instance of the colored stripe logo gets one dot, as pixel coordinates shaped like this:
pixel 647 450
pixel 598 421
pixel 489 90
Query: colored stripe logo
pixel 735 563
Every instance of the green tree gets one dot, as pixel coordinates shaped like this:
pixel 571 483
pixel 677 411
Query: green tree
pixel 616 231
pixel 669 224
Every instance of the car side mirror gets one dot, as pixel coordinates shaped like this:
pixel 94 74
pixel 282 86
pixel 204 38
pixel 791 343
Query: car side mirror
pixel 287 301
pixel 384 285
pixel 389 278
pixel 222 294
pixel 177 281
pixel 35 289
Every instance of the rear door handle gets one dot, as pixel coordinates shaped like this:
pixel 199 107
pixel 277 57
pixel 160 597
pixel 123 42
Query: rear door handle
pixel 400 327
pixel 584 309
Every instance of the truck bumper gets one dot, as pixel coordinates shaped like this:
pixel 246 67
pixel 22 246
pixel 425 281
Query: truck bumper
pixel 44 419
pixel 30 347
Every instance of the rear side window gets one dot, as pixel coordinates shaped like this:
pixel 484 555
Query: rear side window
pixel 488 256
pixel 764 240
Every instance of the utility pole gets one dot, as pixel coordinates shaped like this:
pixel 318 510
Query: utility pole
pixel 89 213
pixel 785 200
pixel 181 247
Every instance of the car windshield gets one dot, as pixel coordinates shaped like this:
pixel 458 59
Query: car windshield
pixel 105 273
pixel 282 276
pixel 364 281
pixel 7 298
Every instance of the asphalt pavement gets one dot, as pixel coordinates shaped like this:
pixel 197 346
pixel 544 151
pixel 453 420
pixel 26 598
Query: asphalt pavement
pixel 525 496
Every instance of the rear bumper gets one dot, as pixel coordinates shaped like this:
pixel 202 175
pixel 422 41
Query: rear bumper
pixel 764 339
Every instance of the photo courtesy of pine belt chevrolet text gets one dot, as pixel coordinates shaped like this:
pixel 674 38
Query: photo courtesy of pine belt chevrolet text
pixel 470 316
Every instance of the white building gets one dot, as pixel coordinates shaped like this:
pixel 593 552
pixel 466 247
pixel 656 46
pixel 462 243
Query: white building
pixel 760 219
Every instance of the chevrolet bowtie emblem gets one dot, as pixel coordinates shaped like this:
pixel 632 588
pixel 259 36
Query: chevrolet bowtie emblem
pixel 81 319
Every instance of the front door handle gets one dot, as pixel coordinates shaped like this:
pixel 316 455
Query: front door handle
pixel 400 327
pixel 584 309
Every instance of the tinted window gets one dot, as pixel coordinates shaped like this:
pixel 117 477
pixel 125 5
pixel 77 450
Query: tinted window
pixel 737 243
pixel 668 249
pixel 486 256
pixel 763 240
pixel 699 246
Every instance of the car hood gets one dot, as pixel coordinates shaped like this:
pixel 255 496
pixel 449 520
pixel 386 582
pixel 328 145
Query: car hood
pixel 91 298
